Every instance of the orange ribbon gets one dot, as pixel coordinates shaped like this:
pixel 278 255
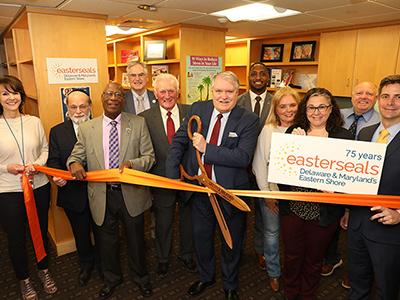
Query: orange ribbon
pixel 33 219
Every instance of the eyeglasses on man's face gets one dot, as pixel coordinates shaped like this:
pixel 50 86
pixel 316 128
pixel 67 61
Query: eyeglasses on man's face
pixel 323 108
pixel 140 75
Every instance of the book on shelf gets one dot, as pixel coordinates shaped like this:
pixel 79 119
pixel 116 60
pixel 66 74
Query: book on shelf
pixel 287 76
pixel 276 77
pixel 125 81
pixel 158 69
pixel 128 55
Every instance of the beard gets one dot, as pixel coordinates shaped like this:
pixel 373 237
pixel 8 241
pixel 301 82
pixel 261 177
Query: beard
pixel 80 119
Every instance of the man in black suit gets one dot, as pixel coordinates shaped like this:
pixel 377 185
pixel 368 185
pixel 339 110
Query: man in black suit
pixel 138 99
pixel 162 120
pixel 258 100
pixel 374 233
pixel 72 195
pixel 227 142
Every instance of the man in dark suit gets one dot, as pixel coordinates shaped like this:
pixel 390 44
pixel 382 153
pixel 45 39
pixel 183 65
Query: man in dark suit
pixel 374 233
pixel 138 98
pixel 227 142
pixel 72 195
pixel 162 121
pixel 258 100
pixel 113 140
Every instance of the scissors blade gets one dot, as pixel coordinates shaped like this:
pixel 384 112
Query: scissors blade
pixel 225 194
pixel 221 220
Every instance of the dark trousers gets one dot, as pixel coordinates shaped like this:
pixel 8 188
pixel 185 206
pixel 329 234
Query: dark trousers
pixel 81 224
pixel 332 256
pixel 204 222
pixel 14 221
pixel 305 245
pixel 370 261
pixel 164 205
pixel 108 235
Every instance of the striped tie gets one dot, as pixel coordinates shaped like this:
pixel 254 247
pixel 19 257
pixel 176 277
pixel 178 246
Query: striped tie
pixel 113 160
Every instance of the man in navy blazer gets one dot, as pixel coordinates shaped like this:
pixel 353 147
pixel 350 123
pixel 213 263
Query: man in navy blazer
pixel 72 195
pixel 374 233
pixel 228 159
pixel 138 98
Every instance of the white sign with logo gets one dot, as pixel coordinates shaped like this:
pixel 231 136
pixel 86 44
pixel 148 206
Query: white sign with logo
pixel 72 70
pixel 326 164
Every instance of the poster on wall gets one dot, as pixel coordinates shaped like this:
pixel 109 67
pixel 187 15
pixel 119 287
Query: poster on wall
pixel 64 91
pixel 199 71
pixel 326 164
pixel 72 70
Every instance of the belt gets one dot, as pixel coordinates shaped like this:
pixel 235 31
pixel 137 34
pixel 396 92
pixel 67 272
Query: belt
pixel 113 187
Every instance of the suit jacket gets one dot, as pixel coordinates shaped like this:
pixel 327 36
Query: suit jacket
pixel 230 159
pixel 389 185
pixel 135 146
pixel 73 195
pixel 130 105
pixel 158 137
pixel 245 101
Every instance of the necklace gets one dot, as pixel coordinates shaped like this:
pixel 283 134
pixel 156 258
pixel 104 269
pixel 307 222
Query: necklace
pixel 20 148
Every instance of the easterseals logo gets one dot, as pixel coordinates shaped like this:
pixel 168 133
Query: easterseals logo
pixel 280 159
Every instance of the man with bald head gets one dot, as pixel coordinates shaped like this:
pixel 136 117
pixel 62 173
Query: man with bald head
pixel 72 195
pixel 116 140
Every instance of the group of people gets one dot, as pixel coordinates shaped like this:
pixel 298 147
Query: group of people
pixel 148 131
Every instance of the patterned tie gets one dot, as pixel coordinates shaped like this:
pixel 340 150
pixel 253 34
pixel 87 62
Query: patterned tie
pixel 214 141
pixel 113 159
pixel 170 127
pixel 353 126
pixel 257 107
pixel 140 104
pixel 383 136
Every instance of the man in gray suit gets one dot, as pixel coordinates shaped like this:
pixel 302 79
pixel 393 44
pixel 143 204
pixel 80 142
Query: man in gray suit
pixel 257 100
pixel 115 140
pixel 163 120
pixel 138 99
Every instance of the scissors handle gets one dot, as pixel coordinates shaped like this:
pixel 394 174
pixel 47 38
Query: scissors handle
pixel 196 118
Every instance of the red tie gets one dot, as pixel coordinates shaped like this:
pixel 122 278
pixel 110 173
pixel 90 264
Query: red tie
pixel 170 127
pixel 214 141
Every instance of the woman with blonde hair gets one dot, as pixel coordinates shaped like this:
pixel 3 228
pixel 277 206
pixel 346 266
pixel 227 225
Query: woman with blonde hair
pixel 283 110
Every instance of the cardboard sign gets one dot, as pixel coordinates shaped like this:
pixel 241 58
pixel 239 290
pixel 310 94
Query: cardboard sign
pixel 326 164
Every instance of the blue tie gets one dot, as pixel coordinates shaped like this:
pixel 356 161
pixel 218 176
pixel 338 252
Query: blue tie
pixel 113 160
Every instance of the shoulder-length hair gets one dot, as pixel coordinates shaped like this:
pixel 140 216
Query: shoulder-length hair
pixel 273 118
pixel 335 118
pixel 13 85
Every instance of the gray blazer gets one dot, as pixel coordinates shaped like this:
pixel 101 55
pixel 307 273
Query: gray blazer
pixel 135 146
pixel 244 100
pixel 129 106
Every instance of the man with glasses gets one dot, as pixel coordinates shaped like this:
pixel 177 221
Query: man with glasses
pixel 374 233
pixel 138 99
pixel 72 195
pixel 116 140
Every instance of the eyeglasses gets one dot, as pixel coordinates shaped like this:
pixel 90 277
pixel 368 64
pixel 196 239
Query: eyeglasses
pixel 321 108
pixel 115 94
pixel 81 107
pixel 387 97
pixel 140 75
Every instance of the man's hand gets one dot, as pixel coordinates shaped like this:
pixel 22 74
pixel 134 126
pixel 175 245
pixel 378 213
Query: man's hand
pixel 77 171
pixel 272 204
pixel 386 216
pixel 344 221
pixel 199 142
pixel 59 181
pixel 15 169
pixel 125 164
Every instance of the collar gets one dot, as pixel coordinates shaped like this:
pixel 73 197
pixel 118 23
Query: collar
pixel 254 95
pixel 107 120
pixel 174 111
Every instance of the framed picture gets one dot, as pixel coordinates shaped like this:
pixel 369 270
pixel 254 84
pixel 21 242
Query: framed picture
pixel 155 50
pixel 303 51
pixel 271 52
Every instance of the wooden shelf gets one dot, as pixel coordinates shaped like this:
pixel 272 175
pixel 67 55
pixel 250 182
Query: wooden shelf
pixel 294 64
pixel 235 65
pixel 271 89
pixel 26 61
pixel 163 61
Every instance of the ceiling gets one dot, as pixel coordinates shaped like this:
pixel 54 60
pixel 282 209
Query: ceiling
pixel 316 14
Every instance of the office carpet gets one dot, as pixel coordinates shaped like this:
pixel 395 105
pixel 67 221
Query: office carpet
pixel 253 281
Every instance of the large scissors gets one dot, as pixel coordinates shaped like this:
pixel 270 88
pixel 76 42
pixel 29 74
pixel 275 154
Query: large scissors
pixel 215 187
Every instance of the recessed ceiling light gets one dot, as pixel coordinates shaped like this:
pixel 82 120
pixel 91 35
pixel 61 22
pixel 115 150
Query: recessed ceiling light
pixel 111 30
pixel 255 12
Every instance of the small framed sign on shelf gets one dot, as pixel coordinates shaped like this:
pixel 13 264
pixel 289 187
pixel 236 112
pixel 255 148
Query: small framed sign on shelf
pixel 155 49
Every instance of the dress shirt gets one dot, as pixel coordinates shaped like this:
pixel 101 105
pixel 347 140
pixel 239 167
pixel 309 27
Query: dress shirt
pixel 254 101
pixel 393 131
pixel 174 115
pixel 106 132
pixel 76 126
pixel 146 100
pixel 368 118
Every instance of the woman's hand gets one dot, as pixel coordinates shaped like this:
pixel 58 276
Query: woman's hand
pixel 59 181
pixel 299 131
pixel 272 204
pixel 15 169
pixel 30 170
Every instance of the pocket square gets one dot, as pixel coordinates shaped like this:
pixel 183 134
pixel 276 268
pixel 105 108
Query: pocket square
pixel 232 134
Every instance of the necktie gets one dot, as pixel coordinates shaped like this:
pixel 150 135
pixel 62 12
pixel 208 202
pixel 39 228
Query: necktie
pixel 140 104
pixel 170 127
pixel 383 136
pixel 113 158
pixel 257 107
pixel 214 141
pixel 353 126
